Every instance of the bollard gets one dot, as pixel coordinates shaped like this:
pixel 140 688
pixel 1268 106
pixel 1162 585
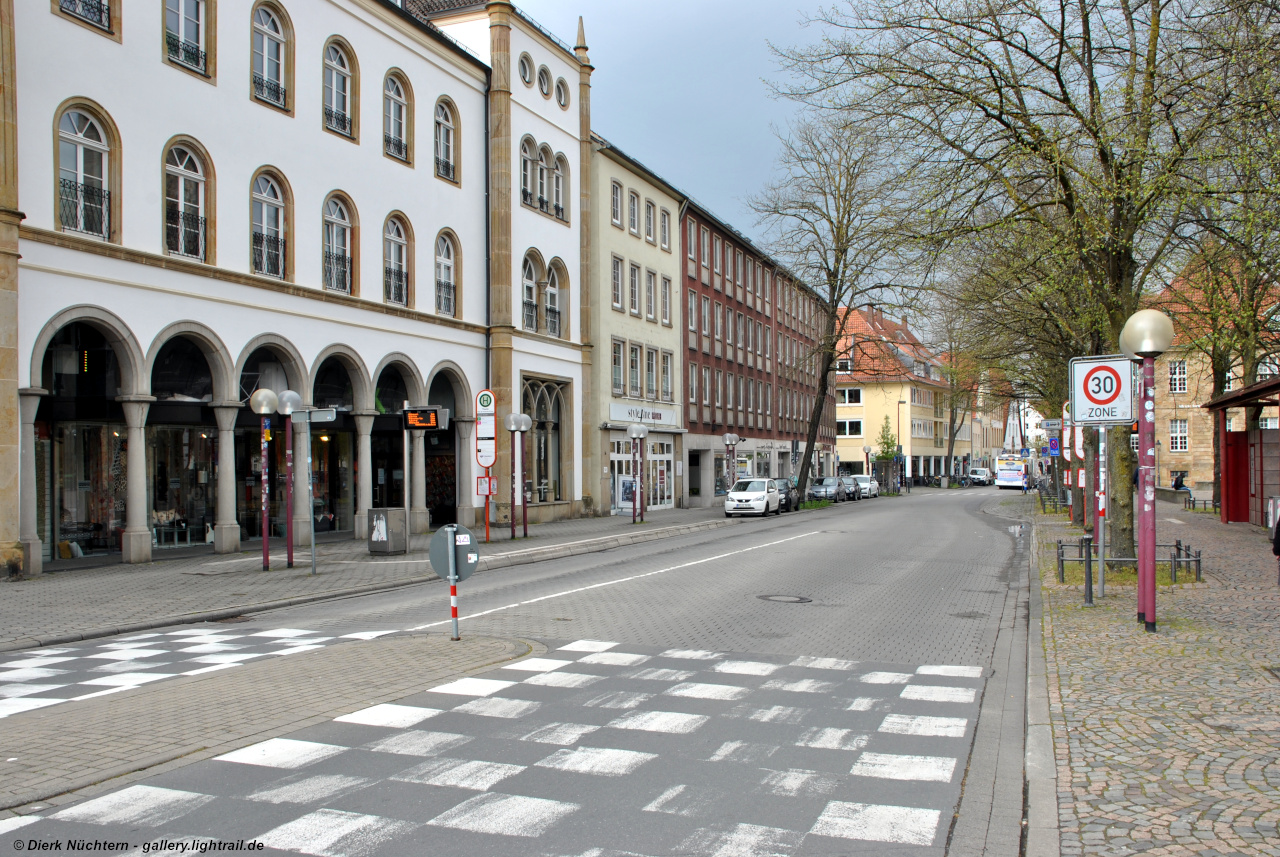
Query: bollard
pixel 1086 544
pixel 1062 577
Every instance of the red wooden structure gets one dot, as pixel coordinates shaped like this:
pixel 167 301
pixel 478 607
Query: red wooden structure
pixel 1250 459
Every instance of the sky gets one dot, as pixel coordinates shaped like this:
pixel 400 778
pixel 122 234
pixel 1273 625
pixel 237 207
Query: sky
pixel 679 85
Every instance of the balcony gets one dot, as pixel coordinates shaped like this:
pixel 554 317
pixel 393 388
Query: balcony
pixel 530 315
pixel 395 286
pixel 84 208
pixel 269 255
pixel 396 147
pixel 186 53
pixel 336 120
pixel 337 273
pixel 270 91
pixel 184 233
pixel 553 321
pixel 526 196
pixel 559 211
pixel 543 203
pixel 445 169
pixel 444 298
pixel 94 12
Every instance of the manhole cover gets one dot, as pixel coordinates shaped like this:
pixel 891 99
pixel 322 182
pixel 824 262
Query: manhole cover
pixel 785 599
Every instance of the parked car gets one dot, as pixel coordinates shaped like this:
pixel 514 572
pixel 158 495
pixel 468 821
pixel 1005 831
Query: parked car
pixel 789 493
pixel 752 497
pixel 868 485
pixel 851 489
pixel 980 476
pixel 827 488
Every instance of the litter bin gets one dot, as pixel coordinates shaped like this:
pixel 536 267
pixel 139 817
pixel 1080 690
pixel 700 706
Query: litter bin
pixel 387 531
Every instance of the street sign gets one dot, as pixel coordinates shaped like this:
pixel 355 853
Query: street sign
pixel 319 415
pixel 486 486
pixel 1055 447
pixel 1025 452
pixel 423 418
pixel 486 428
pixel 1101 390
pixel 466 554
pixel 1044 452
pixel 1051 425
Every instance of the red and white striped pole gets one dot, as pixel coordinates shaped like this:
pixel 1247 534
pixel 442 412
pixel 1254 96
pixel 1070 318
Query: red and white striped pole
pixel 453 578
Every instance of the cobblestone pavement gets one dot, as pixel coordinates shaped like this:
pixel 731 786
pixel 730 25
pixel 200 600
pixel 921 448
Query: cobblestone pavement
pixel 1169 743
pixel 67 605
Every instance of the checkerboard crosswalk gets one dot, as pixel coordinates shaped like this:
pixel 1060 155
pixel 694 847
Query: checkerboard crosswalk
pixel 594 748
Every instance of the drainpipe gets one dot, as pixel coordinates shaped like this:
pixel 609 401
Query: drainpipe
pixel 488 246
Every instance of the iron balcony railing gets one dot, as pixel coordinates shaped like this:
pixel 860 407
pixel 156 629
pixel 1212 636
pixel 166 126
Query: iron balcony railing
pixel 85 208
pixel 553 321
pixel 444 298
pixel 396 147
pixel 395 286
pixel 268 255
pixel 530 315
pixel 337 272
pixel 95 12
pixel 526 196
pixel 444 168
pixel 187 53
pixel 543 203
pixel 559 209
pixel 337 120
pixel 269 90
pixel 184 233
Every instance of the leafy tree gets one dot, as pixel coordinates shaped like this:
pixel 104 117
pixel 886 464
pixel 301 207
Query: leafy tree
pixel 887 442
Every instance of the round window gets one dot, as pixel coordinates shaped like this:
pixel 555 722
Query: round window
pixel 526 69
pixel 562 93
pixel 544 81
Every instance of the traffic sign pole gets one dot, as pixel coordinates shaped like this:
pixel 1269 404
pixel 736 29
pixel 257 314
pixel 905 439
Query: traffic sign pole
pixel 452 532
pixel 487 493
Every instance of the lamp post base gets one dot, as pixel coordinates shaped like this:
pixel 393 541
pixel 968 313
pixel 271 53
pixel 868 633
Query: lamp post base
pixel 1151 627
pixel 1142 617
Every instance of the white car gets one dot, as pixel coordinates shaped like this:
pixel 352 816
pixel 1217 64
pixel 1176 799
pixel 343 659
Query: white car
pixel 870 487
pixel 980 476
pixel 753 497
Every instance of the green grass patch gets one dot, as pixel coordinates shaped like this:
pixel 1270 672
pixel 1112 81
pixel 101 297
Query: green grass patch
pixel 815 504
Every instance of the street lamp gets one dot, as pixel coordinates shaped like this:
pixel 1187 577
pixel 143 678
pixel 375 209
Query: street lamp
pixel 731 446
pixel 866 452
pixel 637 433
pixel 263 403
pixel 518 424
pixel 903 462
pixel 288 402
pixel 1147 334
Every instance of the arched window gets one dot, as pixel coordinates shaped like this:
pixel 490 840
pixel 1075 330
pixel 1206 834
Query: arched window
pixel 562 93
pixel 395 115
pixel 529 282
pixel 544 180
pixel 526 172
pixel 337 91
pixel 553 303
pixel 544 402
pixel 337 246
pixel 268 57
pixel 445 281
pixel 184 192
pixel 395 260
pixel 83 195
pixel 444 142
pixel 184 24
pixel 268 227
pixel 557 189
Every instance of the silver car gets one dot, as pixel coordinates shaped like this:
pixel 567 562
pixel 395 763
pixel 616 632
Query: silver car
pixel 828 488
pixel 868 485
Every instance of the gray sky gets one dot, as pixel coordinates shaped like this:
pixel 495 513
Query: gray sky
pixel 678 86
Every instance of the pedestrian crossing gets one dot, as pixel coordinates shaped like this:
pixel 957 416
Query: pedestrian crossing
pixel 595 748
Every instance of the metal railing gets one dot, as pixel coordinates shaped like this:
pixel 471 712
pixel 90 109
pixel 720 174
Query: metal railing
pixel 395 286
pixel 543 203
pixel 559 211
pixel 553 321
pixel 1192 504
pixel 337 272
pixel 444 298
pixel 1086 549
pixel 269 90
pixel 95 12
pixel 338 121
pixel 530 315
pixel 184 233
pixel 396 147
pixel 268 255
pixel 526 196
pixel 187 53
pixel 445 169
pixel 84 208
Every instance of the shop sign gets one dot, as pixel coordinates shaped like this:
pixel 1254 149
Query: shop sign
pixel 640 414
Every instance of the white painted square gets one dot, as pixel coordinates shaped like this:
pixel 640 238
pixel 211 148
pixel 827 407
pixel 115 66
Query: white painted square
pixel 745 752
pixel 9 707
pixel 617 659
pixel 281 753
pixel 300 641
pixel 886 678
pixel 743 840
pixel 697 690
pixel 832 739
pixel 7 825
pixel 599 761
pixel 310 789
pixel 508 708
pixel 618 699
pixel 114 667
pixel 773 714
pixel 128 654
pixel 12 691
pixel 940 727
pixel 147 806
pixel 228 658
pixel 747 667
pixel 505 815
pixel 671 722
pixel 691 655
pixel 203 639
pixel 414 742
pixel 393 716
pixel 888 766
pixel 211 648
pixel 937 693
pixel 123 679
pixel 875 823
pixel 588 646
pixel 562 679
pixel 662 675
pixel 333 833
pixel 126 645
pixel 296 650
pixel 951 671
pixel 459 774
pixel 473 686
pixel 366 635
pixel 27 663
pixel 30 674
pixel 537 665
pixel 143 636
pixel 189 632
pixel 282 633
pixel 797 783
pixel 862 703
pixel 563 734
pixel 823 663
pixel 804 685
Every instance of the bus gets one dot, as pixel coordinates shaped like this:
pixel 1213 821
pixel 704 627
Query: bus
pixel 1010 472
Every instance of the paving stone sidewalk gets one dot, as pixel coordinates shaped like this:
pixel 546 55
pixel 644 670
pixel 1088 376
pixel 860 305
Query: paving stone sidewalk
pixel 1168 743
pixel 63 606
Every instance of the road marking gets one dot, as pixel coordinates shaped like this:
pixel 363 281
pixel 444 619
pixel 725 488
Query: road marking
pixel 127 678
pixel 805 685
pixel 588 646
pixel 310 790
pixel 393 716
pixel 935 693
pixel 560 733
pixel 28 673
pixel 127 654
pixel 24 704
pixel 951 671
pixel 744 840
pixel 747 667
pixel 899 824
pixel 662 675
pixel 940 727
pixel 798 783
pixel 366 635
pixel 615 659
pixel 563 679
pixel 670 722
pixel 509 709
pixel 459 774
pixel 473 686
pixel 148 806
pixel 281 753
pixel 537 665
pixel 707 691
pixel 746 752
pixel 888 766
pixel 505 815
pixel 862 703
pixel 418 743
pixel 8 691
pixel 886 678
pixel 599 761
pixel 823 663
pixel 618 699
pixel 335 833
pixel 10 824
pixel 282 633
pixel 691 655
pixel 772 714
pixel 832 739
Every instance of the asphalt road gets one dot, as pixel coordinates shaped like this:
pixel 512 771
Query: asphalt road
pixel 840 682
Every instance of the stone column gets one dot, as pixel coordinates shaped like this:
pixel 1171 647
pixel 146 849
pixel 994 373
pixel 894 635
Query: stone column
pixel 302 510
pixel 12 544
pixel 226 529
pixel 136 544
pixel 28 531
pixel 419 517
pixel 466 485
pixel 364 470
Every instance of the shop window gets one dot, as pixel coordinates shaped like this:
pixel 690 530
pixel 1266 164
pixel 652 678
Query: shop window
pixel 543 401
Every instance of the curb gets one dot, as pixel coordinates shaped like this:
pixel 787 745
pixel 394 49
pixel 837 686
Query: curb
pixel 488 563
pixel 1041 771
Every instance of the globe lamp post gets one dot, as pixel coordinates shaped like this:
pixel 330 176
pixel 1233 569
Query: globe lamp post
pixel 264 404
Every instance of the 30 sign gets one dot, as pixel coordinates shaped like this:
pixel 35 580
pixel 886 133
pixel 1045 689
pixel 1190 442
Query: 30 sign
pixel 1101 391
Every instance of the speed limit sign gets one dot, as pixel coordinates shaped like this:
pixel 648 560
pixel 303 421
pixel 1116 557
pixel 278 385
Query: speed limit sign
pixel 1101 390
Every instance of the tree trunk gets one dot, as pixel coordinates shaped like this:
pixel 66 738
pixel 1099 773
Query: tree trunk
pixel 826 358
pixel 1121 492
pixel 1090 458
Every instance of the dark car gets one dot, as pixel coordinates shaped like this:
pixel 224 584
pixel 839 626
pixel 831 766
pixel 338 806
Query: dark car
pixel 851 488
pixel 828 488
pixel 790 494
